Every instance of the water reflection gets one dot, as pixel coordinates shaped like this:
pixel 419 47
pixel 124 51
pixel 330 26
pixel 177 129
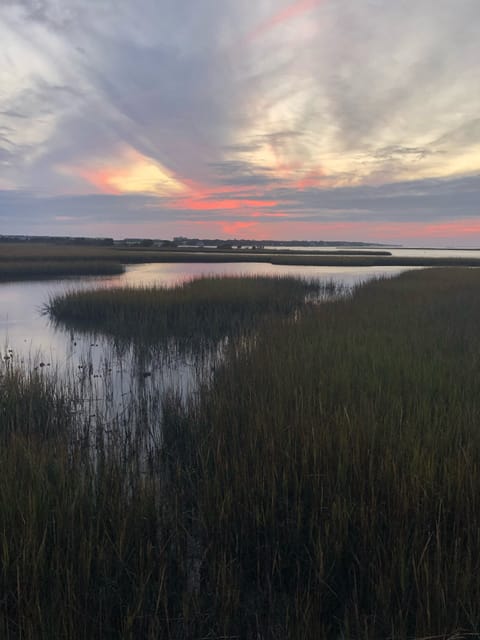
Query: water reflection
pixel 120 384
pixel 122 390
pixel 32 337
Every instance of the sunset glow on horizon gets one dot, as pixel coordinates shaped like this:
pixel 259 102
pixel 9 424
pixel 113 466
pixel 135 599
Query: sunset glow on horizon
pixel 298 119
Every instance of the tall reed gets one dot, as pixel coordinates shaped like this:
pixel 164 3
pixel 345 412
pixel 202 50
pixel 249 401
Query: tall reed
pixel 335 469
pixel 204 308
pixel 324 484
pixel 88 545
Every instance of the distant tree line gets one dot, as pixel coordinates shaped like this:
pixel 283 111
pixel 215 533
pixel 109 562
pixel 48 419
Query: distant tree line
pixel 103 242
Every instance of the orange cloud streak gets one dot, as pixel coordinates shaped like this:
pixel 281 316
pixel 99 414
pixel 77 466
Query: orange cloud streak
pixel 101 179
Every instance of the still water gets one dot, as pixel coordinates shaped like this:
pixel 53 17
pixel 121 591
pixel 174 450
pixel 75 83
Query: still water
pixel 108 380
pixel 30 335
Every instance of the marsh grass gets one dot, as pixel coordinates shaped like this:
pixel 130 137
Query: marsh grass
pixel 364 259
pixel 200 310
pixel 324 484
pixel 335 467
pixel 38 252
pixel 76 258
pixel 41 270
pixel 87 548
pixel 30 404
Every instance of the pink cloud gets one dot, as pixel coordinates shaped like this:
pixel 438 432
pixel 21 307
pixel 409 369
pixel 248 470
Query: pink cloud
pixel 205 202
pixel 101 179
pixel 291 12
pixel 280 228
pixel 268 214
pixel 232 228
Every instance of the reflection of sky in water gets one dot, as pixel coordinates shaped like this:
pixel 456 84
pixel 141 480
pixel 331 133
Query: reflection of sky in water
pixel 123 387
pixel 24 329
pixel 170 274
pixel 105 377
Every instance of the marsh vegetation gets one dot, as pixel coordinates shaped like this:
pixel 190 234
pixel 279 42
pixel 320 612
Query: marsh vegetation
pixel 23 261
pixel 324 482
pixel 207 308
pixel 31 270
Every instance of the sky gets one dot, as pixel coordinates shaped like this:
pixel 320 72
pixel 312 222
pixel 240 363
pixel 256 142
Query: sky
pixel 276 119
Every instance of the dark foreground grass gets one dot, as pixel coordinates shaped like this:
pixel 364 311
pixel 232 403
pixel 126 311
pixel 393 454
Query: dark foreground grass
pixel 325 485
pixel 336 470
pixel 86 549
pixel 202 309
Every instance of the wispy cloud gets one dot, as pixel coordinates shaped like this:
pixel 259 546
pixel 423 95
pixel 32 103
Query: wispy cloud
pixel 277 113
pixel 408 211
pixel 287 14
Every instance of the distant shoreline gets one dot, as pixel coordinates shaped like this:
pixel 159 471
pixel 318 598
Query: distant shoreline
pixel 26 261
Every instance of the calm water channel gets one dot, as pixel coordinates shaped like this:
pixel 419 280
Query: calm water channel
pixel 107 377
pixel 31 336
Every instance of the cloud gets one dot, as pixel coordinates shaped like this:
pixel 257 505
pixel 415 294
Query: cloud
pixel 285 15
pixel 433 202
pixel 236 173
pixel 327 108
